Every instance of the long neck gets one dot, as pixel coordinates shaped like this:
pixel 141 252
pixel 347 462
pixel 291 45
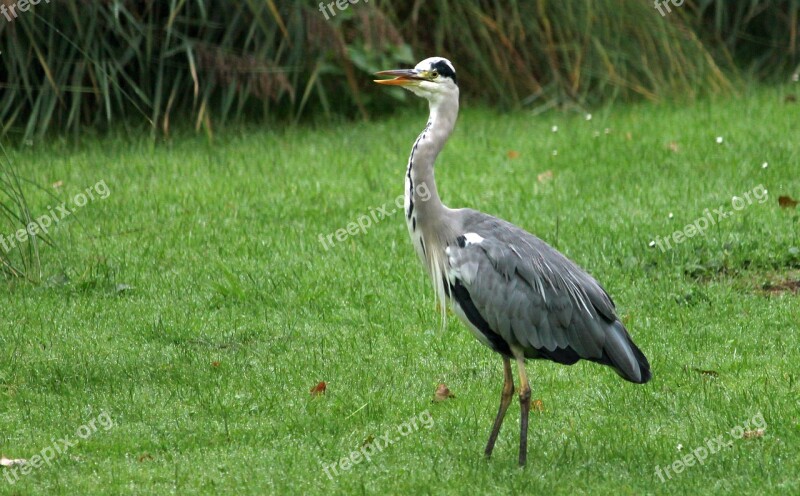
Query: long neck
pixel 422 196
pixel 426 216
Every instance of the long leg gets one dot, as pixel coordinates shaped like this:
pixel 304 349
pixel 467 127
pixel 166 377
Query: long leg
pixel 525 408
pixel 505 400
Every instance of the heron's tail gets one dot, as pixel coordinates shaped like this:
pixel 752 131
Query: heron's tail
pixel 624 356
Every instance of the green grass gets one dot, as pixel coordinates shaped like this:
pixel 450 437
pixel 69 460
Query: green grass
pixel 234 309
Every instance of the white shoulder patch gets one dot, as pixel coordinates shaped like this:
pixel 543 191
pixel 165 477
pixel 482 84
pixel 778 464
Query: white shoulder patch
pixel 473 238
pixel 459 264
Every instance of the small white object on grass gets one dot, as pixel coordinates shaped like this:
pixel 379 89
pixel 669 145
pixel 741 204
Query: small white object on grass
pixel 720 139
pixel 11 462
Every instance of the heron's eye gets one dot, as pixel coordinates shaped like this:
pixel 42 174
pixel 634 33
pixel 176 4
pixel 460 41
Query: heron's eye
pixel 434 73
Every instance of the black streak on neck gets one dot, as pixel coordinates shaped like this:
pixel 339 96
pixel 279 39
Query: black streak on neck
pixel 408 172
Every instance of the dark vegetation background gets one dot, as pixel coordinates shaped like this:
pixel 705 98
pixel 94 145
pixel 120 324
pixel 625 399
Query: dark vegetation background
pixel 73 64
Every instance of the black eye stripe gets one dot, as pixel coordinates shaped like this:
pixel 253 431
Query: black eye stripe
pixel 444 70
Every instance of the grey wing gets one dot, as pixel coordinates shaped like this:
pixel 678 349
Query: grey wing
pixel 514 285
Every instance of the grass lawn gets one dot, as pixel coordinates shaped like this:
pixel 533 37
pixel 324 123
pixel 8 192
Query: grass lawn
pixel 186 316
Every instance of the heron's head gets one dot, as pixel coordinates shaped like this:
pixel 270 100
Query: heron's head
pixel 433 79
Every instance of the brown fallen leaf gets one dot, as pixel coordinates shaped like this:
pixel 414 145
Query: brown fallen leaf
pixel 145 457
pixel 11 462
pixel 58 184
pixel 319 389
pixel 537 406
pixel 710 373
pixel 753 434
pixel 215 364
pixel 673 146
pixel 787 202
pixel 787 286
pixel 545 176
pixel 442 393
pixel 512 154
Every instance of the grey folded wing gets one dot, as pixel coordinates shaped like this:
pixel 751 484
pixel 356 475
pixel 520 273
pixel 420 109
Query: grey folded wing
pixel 536 299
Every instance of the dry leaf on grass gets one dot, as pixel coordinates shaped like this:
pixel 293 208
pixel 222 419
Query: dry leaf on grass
pixel 537 406
pixel 319 389
pixel 673 146
pixel 11 462
pixel 512 154
pixel 787 286
pixel 708 373
pixel 442 393
pixel 753 434
pixel 545 176
pixel 787 202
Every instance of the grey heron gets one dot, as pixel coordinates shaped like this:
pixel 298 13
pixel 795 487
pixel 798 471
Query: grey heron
pixel 519 296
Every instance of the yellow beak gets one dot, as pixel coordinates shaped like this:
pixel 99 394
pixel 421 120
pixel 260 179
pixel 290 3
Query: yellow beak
pixel 403 77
